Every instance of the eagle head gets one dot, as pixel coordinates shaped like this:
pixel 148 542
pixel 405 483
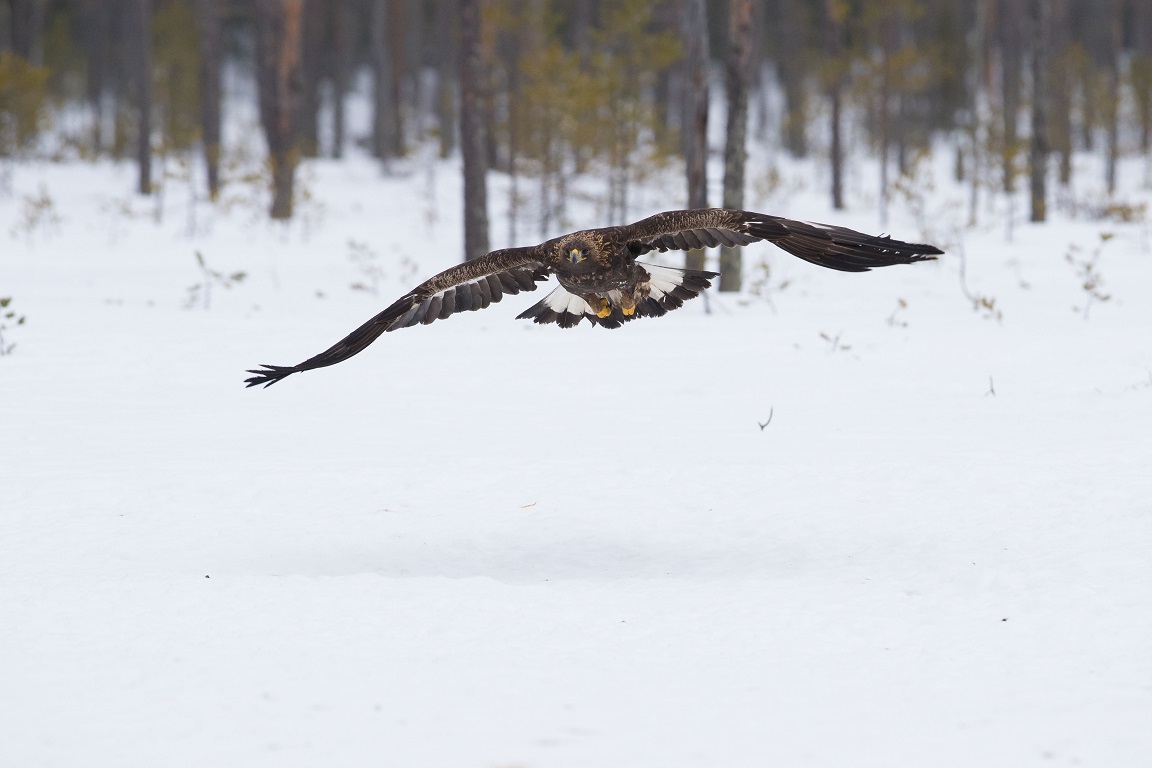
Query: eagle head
pixel 580 254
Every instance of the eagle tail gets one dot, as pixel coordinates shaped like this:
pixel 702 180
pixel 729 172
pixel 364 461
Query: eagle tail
pixel 667 289
pixel 561 307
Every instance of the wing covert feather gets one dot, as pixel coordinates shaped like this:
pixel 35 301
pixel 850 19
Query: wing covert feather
pixel 823 244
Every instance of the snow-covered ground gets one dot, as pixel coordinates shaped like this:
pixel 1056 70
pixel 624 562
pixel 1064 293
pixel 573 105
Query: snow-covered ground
pixel 488 543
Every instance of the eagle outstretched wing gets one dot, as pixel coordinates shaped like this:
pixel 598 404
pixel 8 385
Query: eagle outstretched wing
pixel 822 244
pixel 623 289
pixel 465 287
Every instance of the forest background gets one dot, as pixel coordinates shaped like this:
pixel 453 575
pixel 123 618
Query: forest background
pixel 588 97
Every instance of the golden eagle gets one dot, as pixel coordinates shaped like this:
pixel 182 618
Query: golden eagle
pixel 600 279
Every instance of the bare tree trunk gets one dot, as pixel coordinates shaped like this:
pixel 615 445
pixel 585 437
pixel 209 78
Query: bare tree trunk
pixel 311 74
pixel 980 45
pixel 472 139
pixel 1011 42
pixel 208 26
pixel 414 65
pixel 25 23
pixel 583 17
pixel 278 55
pixel 1142 70
pixel 398 49
pixel 343 54
pixel 383 96
pixel 884 109
pixel 694 30
pixel 96 32
pixel 735 142
pixel 446 14
pixel 1038 145
pixel 139 28
pixel 510 43
pixel 1115 39
pixel 1059 84
pixel 833 50
pixel 791 30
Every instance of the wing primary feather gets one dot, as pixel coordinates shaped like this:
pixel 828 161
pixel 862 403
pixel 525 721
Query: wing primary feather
pixel 448 303
pixel 463 298
pixel 432 309
pixel 508 283
pixel 494 287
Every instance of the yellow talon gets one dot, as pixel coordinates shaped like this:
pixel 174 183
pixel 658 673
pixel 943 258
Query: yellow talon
pixel 629 310
pixel 628 304
pixel 605 308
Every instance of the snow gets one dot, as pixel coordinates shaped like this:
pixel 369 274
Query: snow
pixel 486 542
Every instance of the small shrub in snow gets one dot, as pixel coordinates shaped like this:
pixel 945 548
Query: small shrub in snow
pixel 39 213
pixel 364 259
pixel 1091 281
pixel 201 292
pixel 8 319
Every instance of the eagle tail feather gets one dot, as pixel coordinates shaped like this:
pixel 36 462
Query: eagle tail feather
pixel 667 289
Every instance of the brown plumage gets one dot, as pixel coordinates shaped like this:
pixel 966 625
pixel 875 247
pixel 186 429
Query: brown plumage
pixel 600 279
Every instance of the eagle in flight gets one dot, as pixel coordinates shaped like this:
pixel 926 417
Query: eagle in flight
pixel 601 280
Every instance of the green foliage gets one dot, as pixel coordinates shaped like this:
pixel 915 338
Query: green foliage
pixel 572 111
pixel 9 319
pixel 23 103
pixel 899 72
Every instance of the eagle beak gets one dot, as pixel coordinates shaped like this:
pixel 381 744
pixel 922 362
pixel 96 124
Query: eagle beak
pixel 575 256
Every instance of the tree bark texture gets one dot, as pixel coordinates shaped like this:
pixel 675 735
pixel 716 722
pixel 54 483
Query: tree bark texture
pixel 1141 69
pixel 1112 116
pixel 472 135
pixel 138 22
pixel 96 36
pixel 278 53
pixel 384 106
pixel 791 71
pixel 737 76
pixel 312 69
pixel 694 32
pixel 446 16
pixel 1059 85
pixel 1011 45
pixel 25 24
pixel 833 50
pixel 1038 144
pixel 208 22
pixel 343 54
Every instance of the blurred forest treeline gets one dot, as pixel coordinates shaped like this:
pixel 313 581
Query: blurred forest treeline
pixel 549 92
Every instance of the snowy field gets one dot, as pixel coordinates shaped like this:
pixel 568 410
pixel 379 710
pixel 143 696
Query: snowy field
pixel 488 543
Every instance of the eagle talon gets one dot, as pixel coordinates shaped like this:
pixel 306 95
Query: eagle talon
pixel 605 308
pixel 628 305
